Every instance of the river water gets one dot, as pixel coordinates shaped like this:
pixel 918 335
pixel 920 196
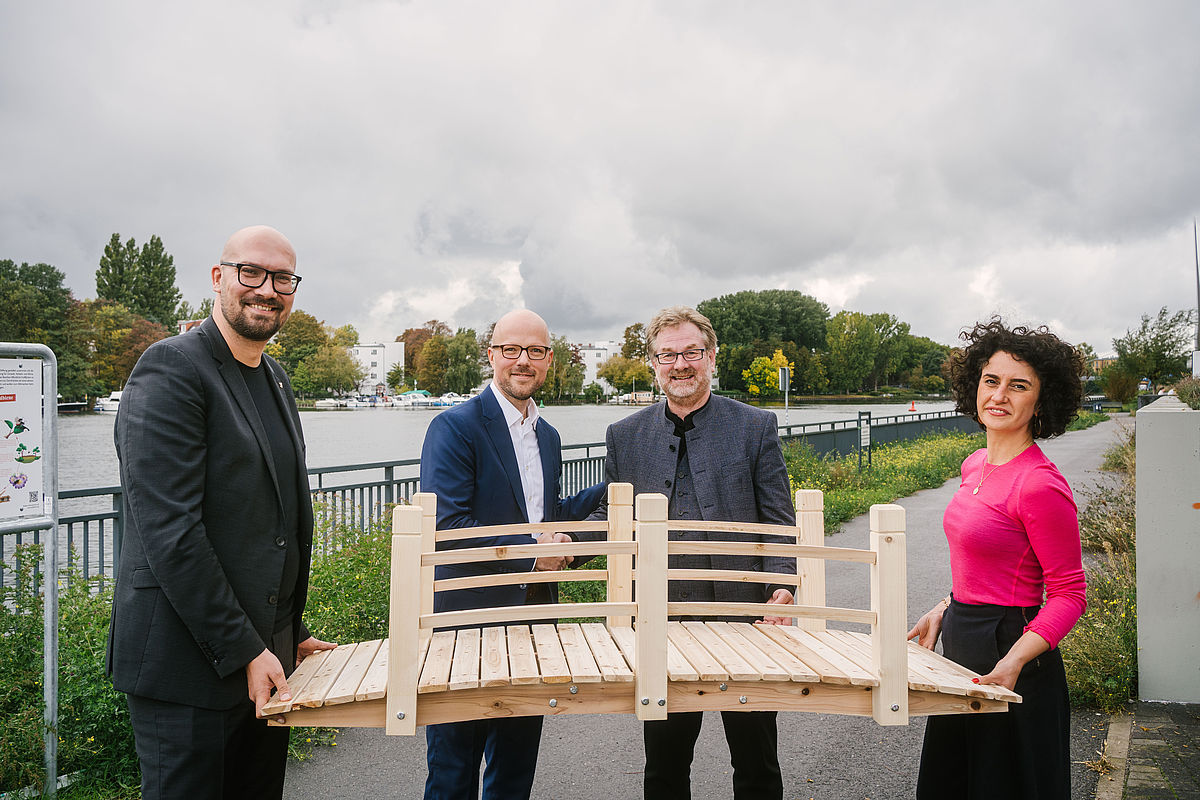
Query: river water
pixel 87 458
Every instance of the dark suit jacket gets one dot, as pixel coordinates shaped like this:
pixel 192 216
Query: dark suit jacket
pixel 469 462
pixel 203 551
pixel 737 472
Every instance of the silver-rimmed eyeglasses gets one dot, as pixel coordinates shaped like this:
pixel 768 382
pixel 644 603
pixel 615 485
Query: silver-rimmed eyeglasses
pixel 253 276
pixel 667 359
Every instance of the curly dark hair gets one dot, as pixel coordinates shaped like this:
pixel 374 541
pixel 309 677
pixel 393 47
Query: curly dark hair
pixel 1058 366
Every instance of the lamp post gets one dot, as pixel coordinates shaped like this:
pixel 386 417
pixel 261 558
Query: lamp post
pixel 1196 352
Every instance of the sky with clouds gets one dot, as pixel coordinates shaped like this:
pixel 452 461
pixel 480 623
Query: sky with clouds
pixel 597 161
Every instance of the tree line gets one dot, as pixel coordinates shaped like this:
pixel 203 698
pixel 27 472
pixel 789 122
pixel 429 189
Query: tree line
pixel 97 342
pixel 440 360
pixel 760 331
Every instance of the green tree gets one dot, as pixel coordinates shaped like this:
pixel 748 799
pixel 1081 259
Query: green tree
pixel 415 339
pixel 593 393
pixel 300 337
pixel 331 370
pixel 852 343
pixel 1158 349
pixel 565 376
pixel 626 374
pixel 634 344
pixel 116 279
pixel 742 317
pixel 732 361
pixel 432 365
pixel 1089 355
pixel 115 337
pixel 36 307
pixel 892 349
pixel 464 367
pixel 141 280
pixel 396 378
pixel 186 312
pixel 1118 383
pixel 762 378
pixel 809 375
pixel 156 297
pixel 345 336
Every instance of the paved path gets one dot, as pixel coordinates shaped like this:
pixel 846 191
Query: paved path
pixel 822 756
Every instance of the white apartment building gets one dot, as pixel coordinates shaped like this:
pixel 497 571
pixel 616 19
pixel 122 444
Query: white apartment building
pixel 377 360
pixel 593 356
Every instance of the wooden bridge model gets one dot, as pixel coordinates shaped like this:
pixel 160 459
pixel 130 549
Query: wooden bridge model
pixel 496 664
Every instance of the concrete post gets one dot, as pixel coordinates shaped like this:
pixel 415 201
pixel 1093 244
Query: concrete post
pixel 1168 551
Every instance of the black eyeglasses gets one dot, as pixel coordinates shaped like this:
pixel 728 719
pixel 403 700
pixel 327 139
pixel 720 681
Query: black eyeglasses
pixel 253 276
pixel 536 352
pixel 688 355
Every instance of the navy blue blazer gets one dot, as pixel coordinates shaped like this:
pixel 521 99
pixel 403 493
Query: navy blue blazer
pixel 469 462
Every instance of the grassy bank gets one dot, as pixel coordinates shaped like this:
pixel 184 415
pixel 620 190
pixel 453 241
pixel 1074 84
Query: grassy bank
pixel 1100 652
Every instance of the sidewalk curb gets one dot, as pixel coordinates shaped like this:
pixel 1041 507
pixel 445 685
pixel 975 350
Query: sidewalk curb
pixel 1116 750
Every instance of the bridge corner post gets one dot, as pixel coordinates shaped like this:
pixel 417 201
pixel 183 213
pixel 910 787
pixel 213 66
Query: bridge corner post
pixel 889 601
pixel 427 502
pixel 650 698
pixel 810 519
pixel 404 622
pixel 620 565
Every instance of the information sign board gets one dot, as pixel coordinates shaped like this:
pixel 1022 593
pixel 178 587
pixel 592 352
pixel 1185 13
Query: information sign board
pixel 22 483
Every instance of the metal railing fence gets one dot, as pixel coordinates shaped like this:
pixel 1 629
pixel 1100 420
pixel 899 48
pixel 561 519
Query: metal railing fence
pixel 355 496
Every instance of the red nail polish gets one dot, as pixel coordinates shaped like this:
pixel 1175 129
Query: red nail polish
pixel 974 680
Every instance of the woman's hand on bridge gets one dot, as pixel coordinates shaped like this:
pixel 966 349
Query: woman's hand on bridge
pixel 929 627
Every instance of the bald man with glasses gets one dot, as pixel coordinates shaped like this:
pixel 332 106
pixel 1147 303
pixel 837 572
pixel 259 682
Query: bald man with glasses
pixel 213 576
pixel 494 461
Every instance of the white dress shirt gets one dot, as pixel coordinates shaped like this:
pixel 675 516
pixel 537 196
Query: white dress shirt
pixel 523 430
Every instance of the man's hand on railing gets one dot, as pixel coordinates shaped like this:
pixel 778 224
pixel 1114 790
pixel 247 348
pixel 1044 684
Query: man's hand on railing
pixel 780 596
pixel 550 563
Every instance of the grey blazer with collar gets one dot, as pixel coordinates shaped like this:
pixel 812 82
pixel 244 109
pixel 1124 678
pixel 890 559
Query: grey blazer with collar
pixel 203 551
pixel 738 474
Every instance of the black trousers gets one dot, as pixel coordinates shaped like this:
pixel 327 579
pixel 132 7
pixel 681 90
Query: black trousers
pixel 753 750
pixel 196 753
pixel 1024 752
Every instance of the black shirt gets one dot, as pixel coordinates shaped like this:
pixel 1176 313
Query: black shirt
pixel 268 401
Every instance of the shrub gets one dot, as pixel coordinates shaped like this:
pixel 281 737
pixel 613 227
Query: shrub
pixel 898 469
pixel 1188 390
pixel 348 585
pixel 1100 652
pixel 94 736
pixel 1086 419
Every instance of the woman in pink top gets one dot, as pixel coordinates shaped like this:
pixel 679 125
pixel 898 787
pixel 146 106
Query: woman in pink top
pixel 1014 534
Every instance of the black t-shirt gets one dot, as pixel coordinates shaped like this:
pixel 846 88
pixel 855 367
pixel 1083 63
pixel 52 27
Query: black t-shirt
pixel 283 453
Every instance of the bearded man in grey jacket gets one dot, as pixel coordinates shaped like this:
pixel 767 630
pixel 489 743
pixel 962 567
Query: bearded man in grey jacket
pixel 715 459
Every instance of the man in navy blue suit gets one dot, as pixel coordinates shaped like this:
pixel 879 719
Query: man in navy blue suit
pixel 493 461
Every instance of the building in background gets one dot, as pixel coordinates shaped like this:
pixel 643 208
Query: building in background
pixel 377 360
pixel 593 356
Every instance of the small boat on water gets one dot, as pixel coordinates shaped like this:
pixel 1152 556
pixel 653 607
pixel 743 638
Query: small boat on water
pixel 110 403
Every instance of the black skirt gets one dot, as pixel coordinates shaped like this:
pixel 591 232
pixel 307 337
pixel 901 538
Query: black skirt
pixel 1022 753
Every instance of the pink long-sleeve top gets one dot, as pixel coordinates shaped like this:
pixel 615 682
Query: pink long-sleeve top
pixel 1017 536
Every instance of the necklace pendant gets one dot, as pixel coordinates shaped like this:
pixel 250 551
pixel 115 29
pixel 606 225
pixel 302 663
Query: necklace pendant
pixel 975 490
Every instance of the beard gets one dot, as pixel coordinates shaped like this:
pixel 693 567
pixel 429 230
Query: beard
pixel 518 392
pixel 255 330
pixel 700 384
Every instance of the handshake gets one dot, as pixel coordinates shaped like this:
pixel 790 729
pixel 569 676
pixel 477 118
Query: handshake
pixel 549 563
